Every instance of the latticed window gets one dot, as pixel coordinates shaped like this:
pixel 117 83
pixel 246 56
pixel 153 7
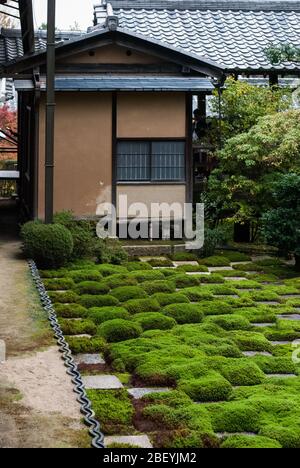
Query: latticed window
pixel 157 161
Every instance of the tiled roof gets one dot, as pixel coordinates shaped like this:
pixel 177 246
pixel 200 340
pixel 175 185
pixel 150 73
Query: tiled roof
pixel 236 37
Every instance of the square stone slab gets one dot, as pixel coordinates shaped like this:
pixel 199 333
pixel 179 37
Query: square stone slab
pixel 270 303
pixel 89 359
pixel 101 382
pixel 191 263
pixel 138 393
pixel 281 376
pixel 235 278
pixel 279 343
pixel 226 268
pixel 263 324
pixel 256 353
pixel 197 273
pixel 289 316
pixel 141 441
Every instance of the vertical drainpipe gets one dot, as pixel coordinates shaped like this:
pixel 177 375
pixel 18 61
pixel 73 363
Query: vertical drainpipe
pixel 50 113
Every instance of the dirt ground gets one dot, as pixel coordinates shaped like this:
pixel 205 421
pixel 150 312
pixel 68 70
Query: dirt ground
pixel 38 408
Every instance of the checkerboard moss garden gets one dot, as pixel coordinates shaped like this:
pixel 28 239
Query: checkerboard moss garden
pixel 213 350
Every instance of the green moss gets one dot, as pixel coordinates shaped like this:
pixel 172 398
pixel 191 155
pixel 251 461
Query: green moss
pixel 137 306
pixel 185 281
pixel 262 278
pixel 154 320
pixel 138 266
pixel 234 417
pixel 248 267
pixel 268 262
pixel 242 372
pixel 186 439
pixel 230 322
pixel 275 365
pixel 184 257
pixel 164 415
pixel 78 327
pixel 52 274
pixel 91 287
pixel 215 307
pixel 84 344
pixel 142 276
pixel 102 314
pixel 196 294
pixel 287 437
pixel 215 261
pixel 244 284
pixel 184 313
pixel 113 409
pixel 213 278
pixel 67 297
pixel 160 263
pixel 165 299
pixel 258 314
pixel 159 286
pixel 89 301
pixel 250 442
pixel 126 293
pixel 119 330
pixel 70 311
pixel 85 275
pixel 232 273
pixel 234 256
pixel 170 272
pixel 223 290
pixel 174 398
pixel 58 284
pixel 119 280
pixel 212 387
pixel 264 296
pixel 250 341
pixel 107 270
pixel 193 268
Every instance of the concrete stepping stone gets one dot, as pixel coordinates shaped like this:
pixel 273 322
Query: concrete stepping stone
pixel 290 296
pixel 235 278
pixel 239 263
pixel 229 434
pixel 84 335
pixel 262 324
pixel 147 259
pixel 279 343
pixel 139 393
pixel 101 382
pixel 141 441
pixel 256 353
pixel 223 296
pixel 184 263
pixel 289 316
pixel 2 352
pixel 281 376
pixel 270 303
pixel 226 268
pixel 197 273
pixel 89 359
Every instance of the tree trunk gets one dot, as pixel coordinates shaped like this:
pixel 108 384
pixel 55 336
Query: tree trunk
pixel 297 258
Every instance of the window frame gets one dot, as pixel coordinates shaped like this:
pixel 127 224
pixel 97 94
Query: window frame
pixel 151 180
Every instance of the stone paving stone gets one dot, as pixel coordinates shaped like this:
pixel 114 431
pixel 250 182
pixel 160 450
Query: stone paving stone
pixel 228 434
pixel 256 353
pixel 235 296
pixel 138 393
pixel 84 335
pixel 147 259
pixel 270 303
pixel 281 376
pixel 226 268
pixel 239 263
pixel 101 382
pixel 263 324
pixel 290 296
pixel 89 359
pixel 278 343
pixel 289 316
pixel 183 263
pixel 235 278
pixel 141 441
pixel 198 273
pixel 2 351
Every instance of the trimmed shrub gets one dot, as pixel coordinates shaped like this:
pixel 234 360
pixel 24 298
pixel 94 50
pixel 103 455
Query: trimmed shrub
pixel 83 344
pixel 184 257
pixel 70 310
pixel 78 276
pixel 119 330
pixel 240 372
pixel 53 274
pixel 250 442
pixel 154 321
pixel 102 314
pixel 110 251
pixel 49 245
pixel 90 301
pixel 196 294
pixel 142 276
pixel 126 293
pixel 136 306
pixel 67 297
pixel 58 284
pixel 193 268
pixel 215 261
pixel 83 240
pixel 119 280
pixel 165 299
pixel 184 313
pixel 160 262
pixel 78 327
pixel 91 287
pixel 169 272
pixel 234 256
pixel 158 286
pixel 213 238
pixel 108 270
pixel 230 322
pixel 185 281
pixel 213 278
pixel 138 266
pixel 113 408
pixel 215 307
pixel 212 387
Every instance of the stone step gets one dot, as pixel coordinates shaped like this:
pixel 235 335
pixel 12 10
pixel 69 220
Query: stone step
pixel 262 324
pixel 139 393
pixel 221 268
pixel 281 376
pixel 270 303
pixel 184 263
pixel 280 343
pixel 289 316
pixel 256 353
pixel 235 278
pixel 102 382
pixel 221 435
pixel 89 359
pixel 141 441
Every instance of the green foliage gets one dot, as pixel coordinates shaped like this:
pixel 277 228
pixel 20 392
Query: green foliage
pixel 135 266
pixel 160 262
pixel 250 442
pixel 184 313
pixel 119 280
pixel 214 278
pixel 83 238
pixel 91 287
pixel 102 314
pixel 230 322
pixel 136 306
pixel 119 330
pixel 111 251
pixel 158 286
pixel 78 327
pixel 212 387
pixel 58 284
pixel 165 299
pixel 215 261
pixel 107 270
pixel 242 372
pixel 89 301
pixel 142 276
pixel 184 257
pixel 213 238
pixel 283 53
pixel 193 268
pixel 82 344
pixel 234 417
pixel 154 321
pixel 113 409
pixel 196 294
pixel 235 256
pixel 185 281
pixel 84 275
pixel 49 245
pixel 70 311
pixel 126 293
pixel 67 297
